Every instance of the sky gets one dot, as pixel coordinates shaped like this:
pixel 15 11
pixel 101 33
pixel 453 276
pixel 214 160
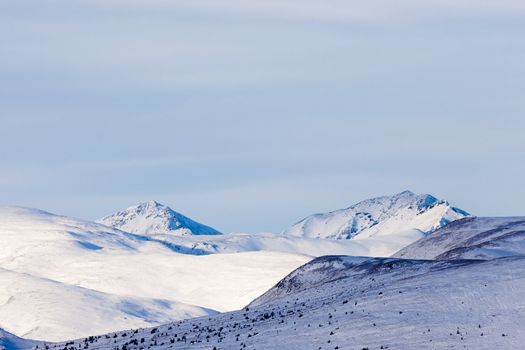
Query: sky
pixel 250 115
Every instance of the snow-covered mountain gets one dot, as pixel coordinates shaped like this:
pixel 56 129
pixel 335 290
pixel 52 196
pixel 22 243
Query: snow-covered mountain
pixel 65 278
pixel 471 238
pixel 155 218
pixel 381 216
pixel 358 303
pixel 115 280
pixel 123 280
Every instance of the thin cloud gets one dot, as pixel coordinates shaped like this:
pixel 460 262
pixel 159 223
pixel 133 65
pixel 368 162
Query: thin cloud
pixel 329 10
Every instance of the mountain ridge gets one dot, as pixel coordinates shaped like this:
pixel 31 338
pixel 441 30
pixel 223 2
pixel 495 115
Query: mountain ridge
pixel 471 238
pixel 378 216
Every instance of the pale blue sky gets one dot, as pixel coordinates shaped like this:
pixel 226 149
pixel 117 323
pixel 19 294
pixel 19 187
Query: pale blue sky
pixel 249 115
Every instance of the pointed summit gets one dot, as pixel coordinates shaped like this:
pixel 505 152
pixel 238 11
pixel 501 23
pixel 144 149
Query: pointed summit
pixel 151 203
pixel 152 217
pixel 404 193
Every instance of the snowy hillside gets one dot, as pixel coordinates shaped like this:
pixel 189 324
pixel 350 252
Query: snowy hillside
pixel 355 303
pixel 153 218
pixel 246 242
pixel 382 216
pixel 34 307
pixel 10 341
pixel 471 238
pixel 115 280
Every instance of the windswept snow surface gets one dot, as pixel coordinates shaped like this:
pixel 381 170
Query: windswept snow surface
pixel 65 278
pixel 153 218
pixel 471 238
pixel 384 217
pixel 339 302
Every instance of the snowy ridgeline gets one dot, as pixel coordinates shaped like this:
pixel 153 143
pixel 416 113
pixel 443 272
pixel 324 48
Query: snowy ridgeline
pixel 374 227
pixel 381 216
pixel 356 303
pixel 387 217
pixel 471 238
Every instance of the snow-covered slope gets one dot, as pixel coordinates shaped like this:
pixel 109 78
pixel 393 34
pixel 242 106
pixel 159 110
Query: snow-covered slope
pixel 63 277
pixel 37 307
pixel 153 218
pixel 471 238
pixel 246 242
pixel 382 216
pixel 356 303
pixel 10 341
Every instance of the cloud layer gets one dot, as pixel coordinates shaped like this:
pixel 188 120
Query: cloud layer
pixel 269 109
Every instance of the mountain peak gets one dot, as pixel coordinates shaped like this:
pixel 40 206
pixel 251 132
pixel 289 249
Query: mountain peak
pixel 405 193
pixel 152 217
pixel 386 215
pixel 152 203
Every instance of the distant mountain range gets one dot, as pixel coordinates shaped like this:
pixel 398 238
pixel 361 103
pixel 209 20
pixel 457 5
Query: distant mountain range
pixel 373 227
pixel 381 216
